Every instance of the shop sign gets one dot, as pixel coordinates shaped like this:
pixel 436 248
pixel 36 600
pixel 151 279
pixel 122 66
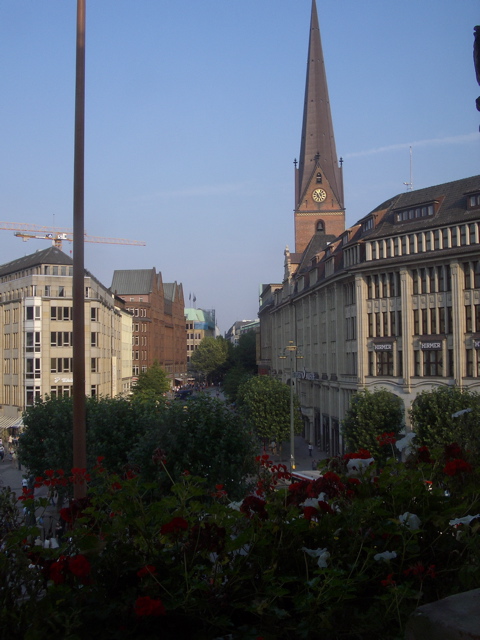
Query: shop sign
pixel 431 346
pixel 383 346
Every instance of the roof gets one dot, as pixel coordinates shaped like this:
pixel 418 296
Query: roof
pixel 452 208
pixel 52 255
pixel 133 281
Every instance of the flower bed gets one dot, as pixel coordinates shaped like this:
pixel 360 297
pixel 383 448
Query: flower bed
pixel 348 555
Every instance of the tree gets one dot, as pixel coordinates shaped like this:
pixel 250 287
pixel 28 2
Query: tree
pixel 370 414
pixel 210 358
pixel 445 415
pixel 245 352
pixel 233 380
pixel 152 382
pixel 113 426
pixel 264 403
pixel 203 437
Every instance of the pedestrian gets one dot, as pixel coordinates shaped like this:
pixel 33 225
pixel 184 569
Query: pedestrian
pixel 310 449
pixel 314 465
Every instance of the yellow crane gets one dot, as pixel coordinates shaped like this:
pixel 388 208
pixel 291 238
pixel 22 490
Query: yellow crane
pixel 58 235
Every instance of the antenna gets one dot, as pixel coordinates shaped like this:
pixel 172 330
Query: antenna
pixel 409 185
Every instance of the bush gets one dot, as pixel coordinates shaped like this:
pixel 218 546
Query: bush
pixel 286 561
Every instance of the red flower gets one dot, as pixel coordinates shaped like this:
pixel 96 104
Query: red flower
pixel 388 582
pixel 159 456
pixel 252 505
pixel 423 454
pixel 50 473
pixel 174 526
pixel 146 606
pixel 57 570
pixel 325 507
pixel 453 451
pixel 456 467
pixel 147 570
pixel 353 481
pixel 361 454
pixel 309 513
pixel 79 566
pixel 385 439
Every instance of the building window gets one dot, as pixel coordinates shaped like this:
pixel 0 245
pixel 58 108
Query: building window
pixel 61 292
pixel 93 390
pixel 384 363
pixel 57 391
pixel 432 363
pixel 61 365
pixel 61 313
pixel 61 339
pixel 94 339
pixel 32 368
pixel 32 341
pixel 94 314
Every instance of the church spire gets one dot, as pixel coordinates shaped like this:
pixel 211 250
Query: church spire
pixel 318 165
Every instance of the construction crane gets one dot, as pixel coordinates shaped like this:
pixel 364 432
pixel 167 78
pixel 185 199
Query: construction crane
pixel 27 231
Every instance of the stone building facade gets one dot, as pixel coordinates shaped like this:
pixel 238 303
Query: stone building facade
pixel 36 329
pixel 393 301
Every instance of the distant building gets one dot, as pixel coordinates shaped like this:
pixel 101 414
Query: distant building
pixel 36 328
pixel 200 324
pixel 158 330
pixel 239 327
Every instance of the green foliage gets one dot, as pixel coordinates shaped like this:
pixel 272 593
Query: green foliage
pixel 210 359
pixel 369 415
pixel 233 380
pixel 113 425
pixel 243 363
pixel 244 353
pixel 278 564
pixel 264 403
pixel 153 382
pixel 432 417
pixel 201 436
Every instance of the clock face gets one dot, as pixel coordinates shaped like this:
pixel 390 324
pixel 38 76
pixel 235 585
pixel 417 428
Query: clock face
pixel 319 195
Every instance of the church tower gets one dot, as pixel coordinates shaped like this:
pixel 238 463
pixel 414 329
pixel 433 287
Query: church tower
pixel 319 202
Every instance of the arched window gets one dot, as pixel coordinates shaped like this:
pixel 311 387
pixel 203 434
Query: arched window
pixel 319 178
pixel 320 225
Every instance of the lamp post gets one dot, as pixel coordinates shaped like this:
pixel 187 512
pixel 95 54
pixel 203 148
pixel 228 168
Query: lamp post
pixel 292 349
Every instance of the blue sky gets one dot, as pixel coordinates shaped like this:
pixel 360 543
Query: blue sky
pixel 193 120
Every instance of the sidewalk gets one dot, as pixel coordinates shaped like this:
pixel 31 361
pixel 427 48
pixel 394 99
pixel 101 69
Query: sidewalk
pixel 11 476
pixel 303 461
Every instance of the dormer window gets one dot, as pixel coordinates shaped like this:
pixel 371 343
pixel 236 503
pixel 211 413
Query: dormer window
pixel 422 211
pixel 367 224
pixel 473 201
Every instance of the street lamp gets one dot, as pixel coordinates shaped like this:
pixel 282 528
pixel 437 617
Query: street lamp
pixel 292 349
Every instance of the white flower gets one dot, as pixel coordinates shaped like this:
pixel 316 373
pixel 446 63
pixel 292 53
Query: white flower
pixel 322 554
pixel 235 505
pixel 386 555
pixel 356 466
pixel 464 520
pixel 313 502
pixel 404 444
pixel 410 520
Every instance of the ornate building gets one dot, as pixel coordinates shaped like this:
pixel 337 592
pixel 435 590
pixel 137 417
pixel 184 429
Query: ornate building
pixel 392 302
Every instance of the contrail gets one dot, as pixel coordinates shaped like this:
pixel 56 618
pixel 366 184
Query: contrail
pixel 467 137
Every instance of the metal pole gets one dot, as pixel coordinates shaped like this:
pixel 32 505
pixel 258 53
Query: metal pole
pixel 79 420
pixel 292 434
